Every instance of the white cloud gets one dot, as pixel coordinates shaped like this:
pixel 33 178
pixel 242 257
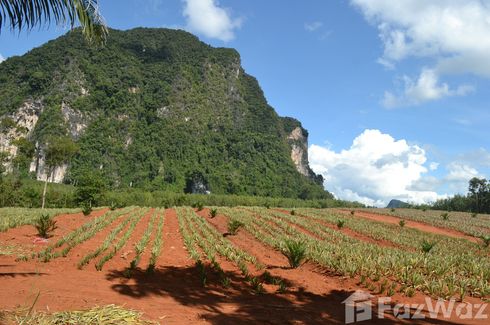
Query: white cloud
pixel 459 174
pixel 313 26
pixel 206 17
pixel 453 33
pixel 426 88
pixel 374 170
pixel 479 158
pixel 1 58
pixel 433 166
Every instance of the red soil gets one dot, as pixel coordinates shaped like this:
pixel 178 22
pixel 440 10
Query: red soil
pixel 127 253
pixel 413 224
pixel 173 294
pixel 24 236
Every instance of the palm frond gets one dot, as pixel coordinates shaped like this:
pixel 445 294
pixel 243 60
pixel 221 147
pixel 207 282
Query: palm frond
pixel 27 14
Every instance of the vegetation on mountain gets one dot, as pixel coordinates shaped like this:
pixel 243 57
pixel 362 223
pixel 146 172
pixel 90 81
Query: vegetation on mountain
pixel 157 110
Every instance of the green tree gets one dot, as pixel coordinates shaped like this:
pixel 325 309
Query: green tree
pixel 59 151
pixel 90 188
pixel 478 189
pixel 27 14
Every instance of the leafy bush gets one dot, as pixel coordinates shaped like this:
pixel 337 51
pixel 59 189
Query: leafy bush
pixel 402 223
pixel 234 226
pixel 353 212
pixel 445 216
pixel 392 210
pixel 45 225
pixel 293 212
pixel 213 213
pixel 427 246
pixel 295 252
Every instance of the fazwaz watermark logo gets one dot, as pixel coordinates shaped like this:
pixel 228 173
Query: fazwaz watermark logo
pixel 360 305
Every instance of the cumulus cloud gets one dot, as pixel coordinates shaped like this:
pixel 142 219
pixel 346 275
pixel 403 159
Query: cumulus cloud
pixel 206 17
pixel 426 88
pixel 313 26
pixel 374 170
pixel 1 58
pixel 459 175
pixel 453 33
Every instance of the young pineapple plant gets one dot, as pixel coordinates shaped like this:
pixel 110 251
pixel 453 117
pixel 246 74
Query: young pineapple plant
pixel 234 226
pixel 86 209
pixel 45 225
pixel 340 223
pixel 427 246
pixel 295 252
pixel 199 206
pixel 213 213
pixel 486 240
pixel 113 206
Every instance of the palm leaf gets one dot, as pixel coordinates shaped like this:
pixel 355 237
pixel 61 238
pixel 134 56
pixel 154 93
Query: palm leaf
pixel 27 14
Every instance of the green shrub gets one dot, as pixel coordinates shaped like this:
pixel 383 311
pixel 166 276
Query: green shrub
pixel 353 212
pixel 392 210
pixel 295 252
pixel 213 213
pixel 445 216
pixel 45 225
pixel 234 226
pixel 293 212
pixel 402 223
pixel 474 215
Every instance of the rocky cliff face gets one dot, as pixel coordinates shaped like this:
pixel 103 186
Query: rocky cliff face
pixel 16 126
pixel 299 151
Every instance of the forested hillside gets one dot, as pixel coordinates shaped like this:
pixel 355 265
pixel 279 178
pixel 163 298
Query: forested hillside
pixel 155 109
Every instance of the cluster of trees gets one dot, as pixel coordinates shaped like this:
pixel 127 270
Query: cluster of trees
pixel 90 191
pixel 477 200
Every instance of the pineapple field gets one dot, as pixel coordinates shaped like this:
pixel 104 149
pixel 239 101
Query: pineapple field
pixel 223 265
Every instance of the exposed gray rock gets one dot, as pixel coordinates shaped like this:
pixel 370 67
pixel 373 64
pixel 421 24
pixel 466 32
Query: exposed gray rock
pixel 75 120
pixel 25 120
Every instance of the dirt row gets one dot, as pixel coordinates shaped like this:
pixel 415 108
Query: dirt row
pixel 173 294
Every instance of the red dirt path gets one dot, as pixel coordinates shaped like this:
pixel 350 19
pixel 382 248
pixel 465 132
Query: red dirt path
pixel 412 224
pixel 173 293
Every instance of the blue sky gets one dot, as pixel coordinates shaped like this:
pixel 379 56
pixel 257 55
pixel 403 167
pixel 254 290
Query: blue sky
pixel 394 94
